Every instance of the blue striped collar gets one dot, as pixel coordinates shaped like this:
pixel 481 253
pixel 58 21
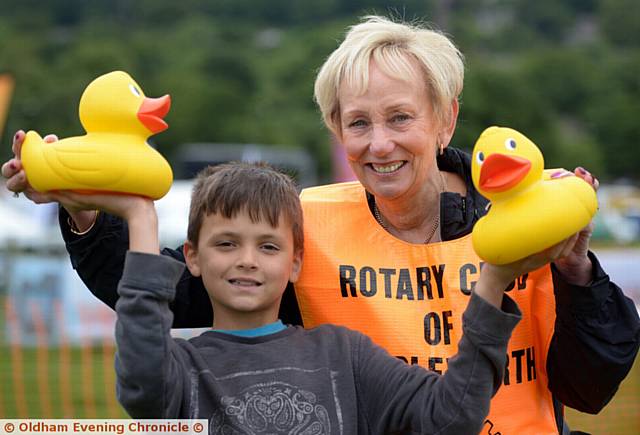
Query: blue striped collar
pixel 271 328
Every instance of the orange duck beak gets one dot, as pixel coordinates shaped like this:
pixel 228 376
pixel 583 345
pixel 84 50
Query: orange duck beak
pixel 501 172
pixel 152 111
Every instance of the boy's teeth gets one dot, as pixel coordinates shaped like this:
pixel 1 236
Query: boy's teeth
pixel 384 169
pixel 243 282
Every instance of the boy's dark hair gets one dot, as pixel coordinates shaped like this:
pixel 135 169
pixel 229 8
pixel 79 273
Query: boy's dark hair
pixel 257 188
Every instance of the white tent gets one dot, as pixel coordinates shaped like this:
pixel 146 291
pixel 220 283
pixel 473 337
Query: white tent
pixel 173 214
pixel 22 226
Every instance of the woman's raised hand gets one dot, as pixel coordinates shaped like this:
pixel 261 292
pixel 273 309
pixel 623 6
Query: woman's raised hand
pixel 13 171
pixel 494 279
pixel 576 267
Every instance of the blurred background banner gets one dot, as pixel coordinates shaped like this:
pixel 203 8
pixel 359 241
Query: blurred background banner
pixel 240 73
pixel 45 292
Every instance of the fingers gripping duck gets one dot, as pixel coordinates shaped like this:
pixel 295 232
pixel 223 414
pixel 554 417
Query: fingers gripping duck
pixel 530 210
pixel 113 156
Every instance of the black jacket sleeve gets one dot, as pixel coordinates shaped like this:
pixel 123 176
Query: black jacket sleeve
pixel 98 258
pixel 596 339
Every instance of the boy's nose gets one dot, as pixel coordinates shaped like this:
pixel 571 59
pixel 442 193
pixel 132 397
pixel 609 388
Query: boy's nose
pixel 247 259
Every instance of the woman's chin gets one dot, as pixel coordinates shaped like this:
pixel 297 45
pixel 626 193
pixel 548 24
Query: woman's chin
pixel 387 191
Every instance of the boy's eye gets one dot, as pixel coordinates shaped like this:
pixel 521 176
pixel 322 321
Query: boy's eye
pixel 224 244
pixel 270 247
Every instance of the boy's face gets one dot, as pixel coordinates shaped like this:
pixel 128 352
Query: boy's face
pixel 245 267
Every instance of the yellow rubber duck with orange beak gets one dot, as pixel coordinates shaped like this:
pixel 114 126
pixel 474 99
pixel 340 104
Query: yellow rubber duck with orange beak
pixel 114 155
pixel 531 208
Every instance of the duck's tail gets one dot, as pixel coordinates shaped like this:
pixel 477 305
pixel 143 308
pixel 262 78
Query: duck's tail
pixel 33 161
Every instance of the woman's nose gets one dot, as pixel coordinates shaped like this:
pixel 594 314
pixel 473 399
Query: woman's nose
pixel 381 143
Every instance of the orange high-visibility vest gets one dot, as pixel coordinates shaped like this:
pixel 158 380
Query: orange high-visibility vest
pixel 410 298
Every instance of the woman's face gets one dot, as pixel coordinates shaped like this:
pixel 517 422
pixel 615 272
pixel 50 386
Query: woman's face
pixel 390 135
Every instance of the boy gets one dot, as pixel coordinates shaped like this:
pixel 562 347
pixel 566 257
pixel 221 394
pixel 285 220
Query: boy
pixel 251 373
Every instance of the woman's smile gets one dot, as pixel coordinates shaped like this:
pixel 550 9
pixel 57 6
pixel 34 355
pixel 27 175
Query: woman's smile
pixel 387 168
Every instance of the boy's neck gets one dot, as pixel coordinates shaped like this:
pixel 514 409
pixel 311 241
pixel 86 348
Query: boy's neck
pixel 236 321
pixel 261 331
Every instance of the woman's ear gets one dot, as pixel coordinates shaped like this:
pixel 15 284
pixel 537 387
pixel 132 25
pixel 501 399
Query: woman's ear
pixel 191 258
pixel 449 125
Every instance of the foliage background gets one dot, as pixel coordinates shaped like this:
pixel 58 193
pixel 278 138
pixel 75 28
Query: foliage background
pixel 567 73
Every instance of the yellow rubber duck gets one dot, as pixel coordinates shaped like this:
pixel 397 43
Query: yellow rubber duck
pixel 114 155
pixel 531 208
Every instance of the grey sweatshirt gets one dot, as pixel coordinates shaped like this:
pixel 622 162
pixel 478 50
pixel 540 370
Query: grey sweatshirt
pixel 325 380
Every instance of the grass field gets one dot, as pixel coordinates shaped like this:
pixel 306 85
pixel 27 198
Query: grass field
pixel 79 383
pixel 58 383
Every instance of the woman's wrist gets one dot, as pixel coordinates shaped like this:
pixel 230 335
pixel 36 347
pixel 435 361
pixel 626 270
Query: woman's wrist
pixel 575 271
pixel 81 222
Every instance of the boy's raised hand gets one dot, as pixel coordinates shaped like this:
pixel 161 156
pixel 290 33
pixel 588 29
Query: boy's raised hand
pixel 81 207
pixel 122 205
pixel 139 212
pixel 494 279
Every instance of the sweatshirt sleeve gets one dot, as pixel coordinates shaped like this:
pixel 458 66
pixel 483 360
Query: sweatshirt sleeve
pixel 595 341
pixel 401 397
pixel 149 383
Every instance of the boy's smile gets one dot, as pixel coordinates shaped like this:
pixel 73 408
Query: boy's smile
pixel 245 267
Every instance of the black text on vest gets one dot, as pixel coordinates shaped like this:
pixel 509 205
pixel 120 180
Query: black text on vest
pixel 424 283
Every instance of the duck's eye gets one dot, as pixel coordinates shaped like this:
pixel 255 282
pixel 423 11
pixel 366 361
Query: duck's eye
pixel 134 90
pixel 480 157
pixel 510 144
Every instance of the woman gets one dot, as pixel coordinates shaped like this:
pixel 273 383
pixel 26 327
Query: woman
pixel 391 254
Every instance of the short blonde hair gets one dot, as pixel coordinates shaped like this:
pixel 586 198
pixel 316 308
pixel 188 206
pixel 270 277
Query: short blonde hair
pixel 395 47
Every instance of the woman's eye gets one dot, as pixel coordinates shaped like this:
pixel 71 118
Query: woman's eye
pixel 357 123
pixel 480 157
pixel 510 144
pixel 401 117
